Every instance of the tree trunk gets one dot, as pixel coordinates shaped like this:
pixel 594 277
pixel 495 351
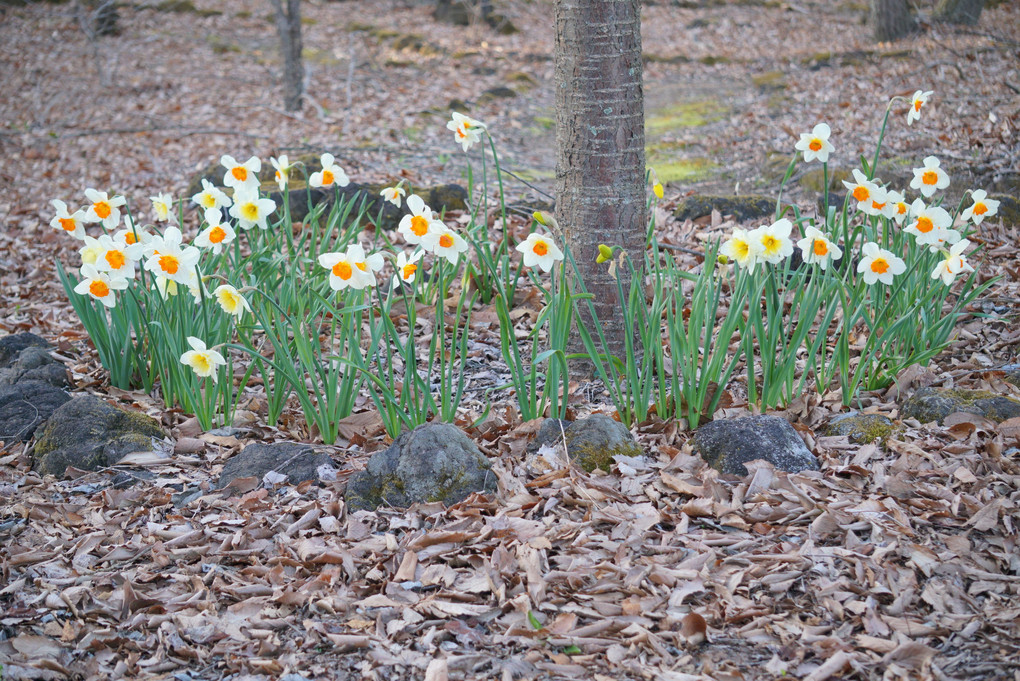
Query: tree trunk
pixel 890 20
pixel 600 140
pixel 288 26
pixel 959 11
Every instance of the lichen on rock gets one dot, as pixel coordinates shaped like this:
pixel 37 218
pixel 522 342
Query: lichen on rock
pixel 935 404
pixel 728 444
pixel 861 428
pixel 591 442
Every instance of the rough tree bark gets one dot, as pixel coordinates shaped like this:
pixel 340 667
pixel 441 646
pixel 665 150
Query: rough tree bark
pixel 890 20
pixel 600 140
pixel 959 11
pixel 288 26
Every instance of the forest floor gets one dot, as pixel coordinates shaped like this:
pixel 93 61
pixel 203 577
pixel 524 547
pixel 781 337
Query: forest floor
pixel 893 562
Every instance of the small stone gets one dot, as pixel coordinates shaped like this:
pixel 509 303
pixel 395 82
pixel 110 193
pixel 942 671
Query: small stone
pixel 24 406
pixel 435 462
pixel 34 364
pixel 1012 372
pixel 592 442
pixel 742 208
pixel 90 433
pixel 935 404
pixel 728 444
pixel 294 461
pixel 860 428
pixel 12 345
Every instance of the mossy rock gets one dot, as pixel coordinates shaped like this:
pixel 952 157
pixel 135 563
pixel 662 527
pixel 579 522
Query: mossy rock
pixel 682 116
pixel 25 406
pixel 1009 210
pixel 861 428
pixel 770 81
pixel 591 442
pixel 935 404
pixel 1012 374
pixel 728 444
pixel 89 433
pixel 184 6
pixel 496 93
pixel 813 180
pixel 741 207
pixel 34 364
pixel 299 462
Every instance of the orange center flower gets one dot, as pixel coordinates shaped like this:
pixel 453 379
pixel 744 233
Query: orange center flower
pixel 277 175
pixel 68 224
pixel 102 209
pixel 879 266
pixel 820 249
pixel 815 145
pixel 917 104
pixel 446 241
pixel 861 193
pixel 979 209
pixel 924 225
pixel 409 270
pixel 115 259
pixel 930 177
pixel 99 289
pixel 327 178
pixel 240 173
pixel 130 239
pixel 343 270
pixel 363 266
pixel 540 248
pixel 460 132
pixel 901 208
pixel 419 225
pixel 877 206
pixel 217 235
pixel 169 264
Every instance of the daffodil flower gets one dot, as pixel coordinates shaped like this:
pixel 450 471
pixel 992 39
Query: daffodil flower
pixel 863 190
pixel 982 208
pixel 445 243
pixel 540 251
pixel 407 268
pixel 946 237
pixel 168 259
pixel 69 223
pixel 231 300
pixel 916 102
pixel 419 223
pixel 250 210
pixel 100 285
pixel 879 264
pixel 282 174
pixel 165 287
pixel 393 194
pixel 241 175
pixel 133 234
pixel 202 360
pixel 742 248
pixel 331 174
pixel 344 271
pixel 211 197
pixel 217 234
pixel 899 206
pixel 929 177
pixel 90 251
pixel 605 254
pixel 367 264
pixel 817 249
pixel 117 258
pixel 953 264
pixel 104 209
pixel 815 144
pixel 929 222
pixel 163 205
pixel 775 241
pixel 467 130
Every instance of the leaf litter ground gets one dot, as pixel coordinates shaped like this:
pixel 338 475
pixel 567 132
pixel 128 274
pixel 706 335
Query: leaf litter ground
pixel 895 562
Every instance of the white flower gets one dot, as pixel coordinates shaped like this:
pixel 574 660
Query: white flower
pixel 90 250
pixel 344 271
pixel 541 251
pixel 231 300
pixel 393 195
pixel 877 203
pixel 330 174
pixel 100 285
pixel 367 264
pixel 445 243
pixel 117 258
pixel 250 210
pixel 945 236
pixel 407 268
pixel 743 248
pixel 166 287
pixel 133 234
pixel 70 223
pixel 163 205
pixel 774 240
pixel 241 175
pixel 983 207
pixel 862 189
pixel 419 223
pixel 217 234
pixel 815 144
pixel 817 249
pixel 929 177
pixel 467 130
pixel 211 197
pixel 203 361
pixel 168 259
pixel 916 102
pixel 103 209
pixel 879 264
pixel 282 174
pixel 898 206
pixel 953 264
pixel 929 223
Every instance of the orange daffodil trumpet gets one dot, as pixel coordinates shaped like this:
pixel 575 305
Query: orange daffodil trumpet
pixel 217 234
pixel 103 209
pixel 540 251
pixel 982 208
pixel 930 223
pixel 919 99
pixel 419 223
pixel 467 130
pixel 954 264
pixel 393 194
pixel 899 208
pixel 879 264
pixel 70 223
pixel 282 174
pixel 100 285
pixel 330 175
pixel 168 259
pixel 815 144
pixel 203 361
pixel 865 193
pixel 930 177
pixel 211 197
pixel 817 249
pixel 117 258
pixel 407 268
pixel 445 243
pixel 132 233
pixel 351 269
pixel 241 175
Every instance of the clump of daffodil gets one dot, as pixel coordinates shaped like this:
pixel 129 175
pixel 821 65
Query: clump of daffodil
pixel 202 360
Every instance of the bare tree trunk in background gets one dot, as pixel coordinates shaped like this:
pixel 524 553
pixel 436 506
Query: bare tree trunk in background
pixel 890 20
pixel 288 25
pixel 600 140
pixel 959 11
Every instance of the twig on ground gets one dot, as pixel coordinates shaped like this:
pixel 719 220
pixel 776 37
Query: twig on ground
pixel 525 182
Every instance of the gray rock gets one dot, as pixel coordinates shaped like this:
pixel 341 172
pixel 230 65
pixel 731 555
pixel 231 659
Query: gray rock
pixel 12 345
pixel 742 208
pixel 592 442
pixel 727 445
pixel 935 404
pixel 90 433
pixel 860 428
pixel 25 406
pixel 299 462
pixel 433 462
pixel 34 364
pixel 1012 373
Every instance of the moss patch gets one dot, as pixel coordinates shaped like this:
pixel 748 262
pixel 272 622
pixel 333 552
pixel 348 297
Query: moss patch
pixel 770 80
pixel 861 428
pixel 683 170
pixel 692 114
pixel 930 404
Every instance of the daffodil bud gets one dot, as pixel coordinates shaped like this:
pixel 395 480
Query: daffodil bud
pixel 657 190
pixel 605 254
